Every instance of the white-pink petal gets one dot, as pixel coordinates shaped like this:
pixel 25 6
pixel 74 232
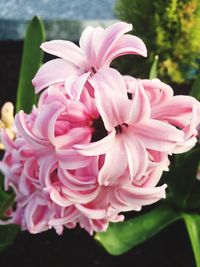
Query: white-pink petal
pixel 96 148
pixel 74 85
pixel 21 124
pixel 110 37
pixel 136 155
pixel 127 44
pixel 71 159
pixel 53 72
pixel 158 135
pixel 140 108
pixel 138 196
pixel 115 164
pixel 66 50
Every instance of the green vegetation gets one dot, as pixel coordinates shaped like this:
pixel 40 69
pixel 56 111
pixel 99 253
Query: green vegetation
pixel 171 30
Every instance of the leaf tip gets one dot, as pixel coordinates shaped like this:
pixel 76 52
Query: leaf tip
pixel 97 238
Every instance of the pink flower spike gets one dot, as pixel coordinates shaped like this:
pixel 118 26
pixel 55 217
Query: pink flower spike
pixel 133 129
pixel 98 47
pixel 97 143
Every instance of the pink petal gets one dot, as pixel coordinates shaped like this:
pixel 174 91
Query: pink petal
pixel 52 94
pixel 77 183
pixel 185 146
pixel 112 102
pixel 138 196
pixel 111 77
pixel 169 109
pixel 140 109
pixel 29 170
pixel 70 216
pixel 76 113
pixel 157 91
pixel 87 43
pixel 74 136
pixel 59 199
pixel 113 108
pixel 115 164
pixel 111 35
pixel 91 170
pixel 81 197
pixel 91 213
pixel 66 50
pixel 27 134
pixel 127 44
pixel 158 135
pixel 89 103
pixel 75 85
pixel 35 219
pixel 53 72
pixel 71 160
pixel 96 148
pixel 134 149
pixel 47 165
pixel 193 121
pixel 44 125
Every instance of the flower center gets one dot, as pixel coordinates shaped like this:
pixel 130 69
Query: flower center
pixel 99 130
pixel 119 128
pixel 129 96
pixel 93 70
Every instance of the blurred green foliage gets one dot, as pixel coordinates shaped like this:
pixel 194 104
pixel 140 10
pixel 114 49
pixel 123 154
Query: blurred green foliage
pixel 170 29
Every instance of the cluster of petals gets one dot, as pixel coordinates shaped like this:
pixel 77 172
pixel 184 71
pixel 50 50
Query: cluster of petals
pixel 98 142
pixel 76 65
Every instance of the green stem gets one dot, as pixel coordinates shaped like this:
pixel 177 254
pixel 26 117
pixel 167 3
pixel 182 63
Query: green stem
pixel 193 227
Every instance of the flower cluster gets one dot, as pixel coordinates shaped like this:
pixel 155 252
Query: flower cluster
pixel 98 142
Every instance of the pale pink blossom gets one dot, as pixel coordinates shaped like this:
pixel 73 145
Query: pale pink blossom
pixel 97 143
pixel 55 126
pixel 132 130
pixel 56 188
pixel 53 197
pixel 76 65
pixel 181 111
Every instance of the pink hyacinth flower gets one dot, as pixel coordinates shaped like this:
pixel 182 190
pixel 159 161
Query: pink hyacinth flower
pixel 181 111
pixel 55 127
pixel 76 65
pixel 132 131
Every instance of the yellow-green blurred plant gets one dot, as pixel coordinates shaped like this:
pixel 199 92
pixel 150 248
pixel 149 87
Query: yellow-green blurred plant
pixel 170 29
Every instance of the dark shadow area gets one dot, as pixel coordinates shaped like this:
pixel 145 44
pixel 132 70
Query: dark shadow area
pixel 170 248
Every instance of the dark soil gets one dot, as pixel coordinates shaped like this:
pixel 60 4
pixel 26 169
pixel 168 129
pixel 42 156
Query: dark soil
pixel 170 248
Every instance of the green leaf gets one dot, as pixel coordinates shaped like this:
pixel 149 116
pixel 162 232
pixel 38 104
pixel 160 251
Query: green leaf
pixel 192 222
pixel 6 198
pixel 6 201
pixel 1 180
pixel 154 67
pixel 120 237
pixel 195 91
pixel 7 235
pixel 184 188
pixel 7 232
pixel 31 61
